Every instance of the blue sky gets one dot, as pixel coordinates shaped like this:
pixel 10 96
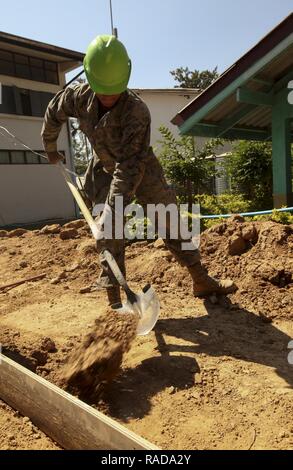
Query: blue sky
pixel 160 35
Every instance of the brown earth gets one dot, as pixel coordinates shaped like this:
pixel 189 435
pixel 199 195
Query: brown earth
pixel 19 433
pixel 213 374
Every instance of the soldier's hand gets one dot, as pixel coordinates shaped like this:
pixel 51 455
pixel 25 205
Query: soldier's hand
pixel 55 157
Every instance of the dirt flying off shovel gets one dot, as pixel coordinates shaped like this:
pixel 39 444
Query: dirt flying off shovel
pixel 145 304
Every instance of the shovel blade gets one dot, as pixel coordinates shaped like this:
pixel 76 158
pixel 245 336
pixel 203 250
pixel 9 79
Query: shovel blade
pixel 147 307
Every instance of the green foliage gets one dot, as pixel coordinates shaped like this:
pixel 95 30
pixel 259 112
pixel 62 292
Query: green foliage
pixel 186 166
pixel 222 204
pixel 285 218
pixel 250 171
pixel 194 79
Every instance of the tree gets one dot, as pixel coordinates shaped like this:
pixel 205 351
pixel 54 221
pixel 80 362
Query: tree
pixel 186 166
pixel 194 79
pixel 250 171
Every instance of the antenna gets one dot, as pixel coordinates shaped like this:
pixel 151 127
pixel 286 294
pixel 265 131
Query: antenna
pixel 114 30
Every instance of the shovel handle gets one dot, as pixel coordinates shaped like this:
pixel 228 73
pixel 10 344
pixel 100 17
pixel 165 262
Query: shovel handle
pixel 119 276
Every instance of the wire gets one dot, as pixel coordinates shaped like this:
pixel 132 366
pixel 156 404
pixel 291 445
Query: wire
pixel 16 139
pixel 73 79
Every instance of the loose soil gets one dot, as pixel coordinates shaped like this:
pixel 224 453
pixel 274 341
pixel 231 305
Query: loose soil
pixel 214 374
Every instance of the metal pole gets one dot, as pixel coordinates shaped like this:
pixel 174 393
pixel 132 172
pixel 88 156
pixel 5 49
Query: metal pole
pixel 111 13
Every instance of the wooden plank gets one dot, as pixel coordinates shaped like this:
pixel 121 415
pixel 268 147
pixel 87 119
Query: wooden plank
pixel 67 420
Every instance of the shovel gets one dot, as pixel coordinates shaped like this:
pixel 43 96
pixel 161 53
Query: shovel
pixel 145 304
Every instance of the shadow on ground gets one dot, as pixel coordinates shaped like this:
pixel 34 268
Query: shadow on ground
pixel 237 333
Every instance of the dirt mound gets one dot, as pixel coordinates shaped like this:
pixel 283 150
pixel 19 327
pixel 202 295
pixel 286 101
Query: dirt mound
pixel 99 357
pixel 256 255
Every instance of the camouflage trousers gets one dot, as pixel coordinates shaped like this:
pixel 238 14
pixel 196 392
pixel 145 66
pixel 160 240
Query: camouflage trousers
pixel 153 189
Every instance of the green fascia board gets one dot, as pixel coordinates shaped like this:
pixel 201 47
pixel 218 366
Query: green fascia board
pixel 186 127
pixel 243 95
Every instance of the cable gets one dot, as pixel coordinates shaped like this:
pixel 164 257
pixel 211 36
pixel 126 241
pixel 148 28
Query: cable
pixel 16 139
pixel 246 214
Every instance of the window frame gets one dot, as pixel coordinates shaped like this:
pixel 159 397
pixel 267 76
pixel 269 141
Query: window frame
pixel 39 160
pixel 24 102
pixel 47 66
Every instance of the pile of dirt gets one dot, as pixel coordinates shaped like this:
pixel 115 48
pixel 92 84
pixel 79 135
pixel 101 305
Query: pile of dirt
pixel 98 359
pixel 258 256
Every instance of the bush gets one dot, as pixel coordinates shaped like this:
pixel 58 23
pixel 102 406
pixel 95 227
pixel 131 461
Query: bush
pixel 250 171
pixel 214 205
pixel 222 204
pixel 285 218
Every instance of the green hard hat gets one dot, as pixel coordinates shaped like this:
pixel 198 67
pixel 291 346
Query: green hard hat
pixel 107 65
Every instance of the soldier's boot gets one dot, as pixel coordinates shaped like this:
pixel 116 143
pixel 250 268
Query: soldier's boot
pixel 114 295
pixel 205 285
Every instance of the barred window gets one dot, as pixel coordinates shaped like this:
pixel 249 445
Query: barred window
pixel 31 68
pixel 21 157
pixel 24 102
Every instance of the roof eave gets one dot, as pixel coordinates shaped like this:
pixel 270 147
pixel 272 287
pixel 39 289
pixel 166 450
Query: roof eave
pixel 40 47
pixel 263 47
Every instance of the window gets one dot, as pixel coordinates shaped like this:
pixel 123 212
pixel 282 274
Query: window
pixel 17 157
pixel 43 161
pixel 31 68
pixel 21 157
pixel 8 105
pixel 32 158
pixel 22 68
pixel 24 102
pixel 4 157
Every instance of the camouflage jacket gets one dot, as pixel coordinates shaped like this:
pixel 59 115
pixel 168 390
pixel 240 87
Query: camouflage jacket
pixel 120 139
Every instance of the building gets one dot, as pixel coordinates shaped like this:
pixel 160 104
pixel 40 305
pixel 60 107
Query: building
pixel 252 101
pixel 31 73
pixel 163 104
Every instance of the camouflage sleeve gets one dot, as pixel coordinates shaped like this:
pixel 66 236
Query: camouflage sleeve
pixel 129 170
pixel 62 106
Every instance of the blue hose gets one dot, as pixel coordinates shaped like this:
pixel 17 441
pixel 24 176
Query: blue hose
pixel 246 214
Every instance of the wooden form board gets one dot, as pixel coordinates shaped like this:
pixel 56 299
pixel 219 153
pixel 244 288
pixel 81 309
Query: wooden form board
pixel 67 420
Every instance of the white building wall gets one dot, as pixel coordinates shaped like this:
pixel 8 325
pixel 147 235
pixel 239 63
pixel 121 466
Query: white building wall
pixel 32 193
pixel 163 105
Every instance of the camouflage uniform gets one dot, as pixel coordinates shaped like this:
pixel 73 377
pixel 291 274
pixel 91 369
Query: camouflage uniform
pixel 123 164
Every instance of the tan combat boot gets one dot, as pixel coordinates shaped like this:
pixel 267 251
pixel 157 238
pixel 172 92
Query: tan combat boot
pixel 114 295
pixel 204 285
